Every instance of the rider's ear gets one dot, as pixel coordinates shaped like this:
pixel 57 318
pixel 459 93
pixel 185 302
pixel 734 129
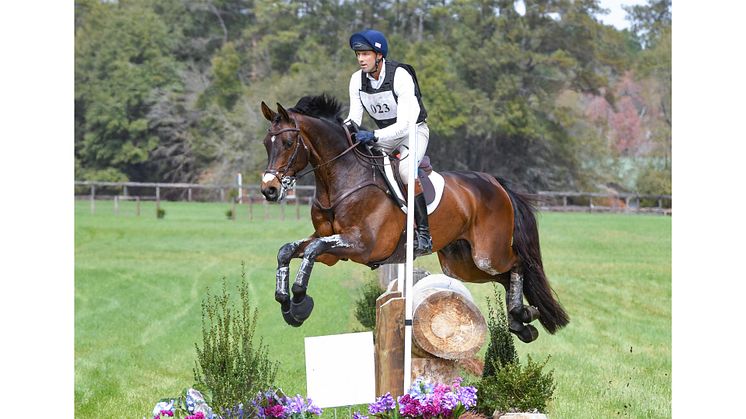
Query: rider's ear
pixel 268 113
pixel 283 113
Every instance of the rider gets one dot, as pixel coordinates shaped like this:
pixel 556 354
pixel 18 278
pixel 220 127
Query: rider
pixel 390 94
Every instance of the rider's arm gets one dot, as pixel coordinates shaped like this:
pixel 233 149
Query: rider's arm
pixel 407 109
pixel 356 107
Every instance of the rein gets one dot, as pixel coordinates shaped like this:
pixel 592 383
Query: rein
pixel 297 147
pixel 289 181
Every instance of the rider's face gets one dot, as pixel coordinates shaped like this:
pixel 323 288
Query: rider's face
pixel 366 60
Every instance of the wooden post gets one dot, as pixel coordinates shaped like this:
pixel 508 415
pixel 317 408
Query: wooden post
pixel 389 343
pixel 93 199
pixel 222 195
pixel 251 209
pixel 116 205
pixel 157 200
pixel 590 204
pixel 564 200
pixel 137 205
pixel 124 191
pixel 189 194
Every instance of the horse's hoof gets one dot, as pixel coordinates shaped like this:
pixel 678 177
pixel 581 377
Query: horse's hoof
pixel 302 309
pixel 528 334
pixel 526 314
pixel 289 319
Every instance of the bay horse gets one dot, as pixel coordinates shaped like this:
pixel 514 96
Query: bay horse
pixel 482 231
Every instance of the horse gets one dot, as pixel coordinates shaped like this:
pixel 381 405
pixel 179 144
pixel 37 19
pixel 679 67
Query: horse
pixel 482 231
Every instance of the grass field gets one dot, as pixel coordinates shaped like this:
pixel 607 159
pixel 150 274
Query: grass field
pixel 139 282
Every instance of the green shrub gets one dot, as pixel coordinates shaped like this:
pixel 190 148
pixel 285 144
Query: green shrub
pixel 160 213
pixel 365 306
pixel 229 214
pixel 505 385
pixel 501 350
pixel 516 388
pixel 230 365
pixel 654 181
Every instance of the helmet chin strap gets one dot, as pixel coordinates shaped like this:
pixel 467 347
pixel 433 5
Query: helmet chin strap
pixel 378 61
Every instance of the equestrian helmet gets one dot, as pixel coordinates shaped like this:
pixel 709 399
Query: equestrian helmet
pixel 369 40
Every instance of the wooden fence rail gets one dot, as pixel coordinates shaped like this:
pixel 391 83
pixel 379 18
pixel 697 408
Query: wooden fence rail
pixel 300 193
pixel 605 202
pixel 561 201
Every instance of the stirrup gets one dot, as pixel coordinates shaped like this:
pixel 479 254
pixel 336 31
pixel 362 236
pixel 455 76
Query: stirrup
pixel 423 250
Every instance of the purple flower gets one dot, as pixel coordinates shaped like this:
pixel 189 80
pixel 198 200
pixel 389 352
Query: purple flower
pixel 382 405
pixel 467 396
pixel 358 415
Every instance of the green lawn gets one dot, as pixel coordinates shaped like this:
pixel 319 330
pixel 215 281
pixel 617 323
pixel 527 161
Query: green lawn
pixel 139 282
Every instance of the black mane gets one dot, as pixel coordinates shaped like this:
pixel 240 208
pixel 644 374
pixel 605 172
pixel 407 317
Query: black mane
pixel 321 106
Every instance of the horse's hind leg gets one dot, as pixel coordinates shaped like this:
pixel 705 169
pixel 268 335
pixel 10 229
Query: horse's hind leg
pixel 518 313
pixel 522 312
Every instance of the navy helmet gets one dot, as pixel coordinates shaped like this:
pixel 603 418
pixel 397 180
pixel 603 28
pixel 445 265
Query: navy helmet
pixel 369 40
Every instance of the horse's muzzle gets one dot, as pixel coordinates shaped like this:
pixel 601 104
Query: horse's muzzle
pixel 271 187
pixel 271 193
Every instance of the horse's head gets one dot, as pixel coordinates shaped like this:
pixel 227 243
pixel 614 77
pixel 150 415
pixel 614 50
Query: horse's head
pixel 287 153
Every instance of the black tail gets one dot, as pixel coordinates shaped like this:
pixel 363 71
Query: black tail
pixel 536 287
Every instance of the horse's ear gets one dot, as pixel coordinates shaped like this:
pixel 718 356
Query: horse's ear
pixel 283 112
pixel 268 113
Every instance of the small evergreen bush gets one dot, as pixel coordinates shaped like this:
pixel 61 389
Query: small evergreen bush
pixel 160 213
pixel 230 364
pixel 500 350
pixel 365 306
pixel 229 214
pixel 506 385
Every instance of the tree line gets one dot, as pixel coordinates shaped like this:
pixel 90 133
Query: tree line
pixel 547 97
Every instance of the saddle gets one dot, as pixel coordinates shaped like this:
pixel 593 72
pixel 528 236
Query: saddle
pixel 430 182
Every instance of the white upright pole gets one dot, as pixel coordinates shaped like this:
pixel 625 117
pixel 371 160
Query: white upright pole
pixel 410 256
pixel 240 189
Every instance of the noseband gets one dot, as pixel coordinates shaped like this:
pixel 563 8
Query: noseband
pixel 286 182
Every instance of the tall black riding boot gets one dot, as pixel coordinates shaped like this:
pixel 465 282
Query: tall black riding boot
pixel 423 241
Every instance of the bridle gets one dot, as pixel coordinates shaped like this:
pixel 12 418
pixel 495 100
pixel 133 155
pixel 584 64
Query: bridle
pixel 288 182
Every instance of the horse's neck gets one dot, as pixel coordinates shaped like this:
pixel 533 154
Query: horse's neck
pixel 334 174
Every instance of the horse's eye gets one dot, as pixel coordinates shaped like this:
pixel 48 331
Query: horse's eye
pixel 287 142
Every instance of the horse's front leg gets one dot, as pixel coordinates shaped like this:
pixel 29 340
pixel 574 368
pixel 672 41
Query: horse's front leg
pixel 302 304
pixel 282 290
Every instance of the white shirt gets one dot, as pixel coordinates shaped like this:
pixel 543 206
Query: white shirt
pixel 408 109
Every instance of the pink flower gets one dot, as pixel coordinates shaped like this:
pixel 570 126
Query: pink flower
pixel 275 411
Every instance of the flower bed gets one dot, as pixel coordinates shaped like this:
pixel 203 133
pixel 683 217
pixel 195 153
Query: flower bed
pixel 425 400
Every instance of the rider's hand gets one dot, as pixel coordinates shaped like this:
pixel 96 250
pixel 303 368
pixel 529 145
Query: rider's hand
pixel 365 137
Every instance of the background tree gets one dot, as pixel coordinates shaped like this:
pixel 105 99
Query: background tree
pixel 550 98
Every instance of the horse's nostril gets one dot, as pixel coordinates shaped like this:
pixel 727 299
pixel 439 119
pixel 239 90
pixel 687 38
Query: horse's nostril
pixel 270 193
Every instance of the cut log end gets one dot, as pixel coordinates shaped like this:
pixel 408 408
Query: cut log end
pixel 448 325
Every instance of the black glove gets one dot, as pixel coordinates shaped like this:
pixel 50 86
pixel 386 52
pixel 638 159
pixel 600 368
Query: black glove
pixel 365 137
